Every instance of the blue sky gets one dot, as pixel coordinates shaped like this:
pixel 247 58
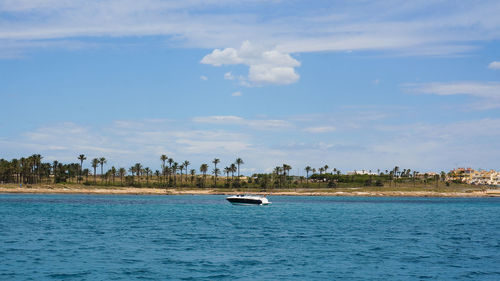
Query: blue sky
pixel 351 84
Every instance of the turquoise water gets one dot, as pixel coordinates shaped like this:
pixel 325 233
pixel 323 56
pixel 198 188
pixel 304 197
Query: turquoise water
pixel 90 237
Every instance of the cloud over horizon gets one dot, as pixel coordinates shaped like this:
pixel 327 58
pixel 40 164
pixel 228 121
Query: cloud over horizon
pixel 433 146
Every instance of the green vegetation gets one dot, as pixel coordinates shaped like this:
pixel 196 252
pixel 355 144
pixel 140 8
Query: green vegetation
pixel 31 170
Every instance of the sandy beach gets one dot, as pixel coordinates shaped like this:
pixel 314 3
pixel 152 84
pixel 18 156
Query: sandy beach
pixel 81 189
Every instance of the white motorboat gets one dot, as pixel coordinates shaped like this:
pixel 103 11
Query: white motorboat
pixel 247 199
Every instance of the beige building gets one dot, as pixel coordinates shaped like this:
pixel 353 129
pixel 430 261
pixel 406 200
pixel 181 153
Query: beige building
pixel 491 177
pixel 494 179
pixel 460 174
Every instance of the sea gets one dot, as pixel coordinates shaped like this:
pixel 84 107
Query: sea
pixel 194 237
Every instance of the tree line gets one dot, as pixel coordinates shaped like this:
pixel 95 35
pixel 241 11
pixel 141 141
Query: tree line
pixel 32 170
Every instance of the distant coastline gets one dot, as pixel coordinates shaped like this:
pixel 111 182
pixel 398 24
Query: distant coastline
pixel 361 191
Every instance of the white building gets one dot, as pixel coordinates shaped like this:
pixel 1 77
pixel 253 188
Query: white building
pixel 494 179
pixel 484 177
pixel 361 172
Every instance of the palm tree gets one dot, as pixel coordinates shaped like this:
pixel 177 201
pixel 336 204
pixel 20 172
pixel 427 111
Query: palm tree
pixel 113 173
pixel 107 175
pixel 278 171
pixel 186 165
pixel 326 168
pixel 167 171
pixel 233 169
pixel 181 169
pixel 122 173
pixel 35 162
pixel 170 163
pixel 396 171
pixel 28 168
pixel 138 169
pixel 86 173
pixel 286 168
pixel 81 157
pixel 95 163
pixel 16 168
pixel 102 161
pixel 175 167
pixel 54 168
pixel 45 170
pixel 157 174
pixel 163 158
pixel 193 173
pixel 227 170
pixel 308 169
pixel 131 170
pixel 239 162
pixel 203 170
pixel 216 172
pixel 147 170
pixel 215 161
pixel 38 165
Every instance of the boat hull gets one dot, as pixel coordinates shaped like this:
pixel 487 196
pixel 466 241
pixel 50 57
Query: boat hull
pixel 243 201
pixel 248 200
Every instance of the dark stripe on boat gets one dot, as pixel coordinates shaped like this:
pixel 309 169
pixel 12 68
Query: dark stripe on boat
pixel 244 201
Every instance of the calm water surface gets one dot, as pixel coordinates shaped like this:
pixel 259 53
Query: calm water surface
pixel 91 237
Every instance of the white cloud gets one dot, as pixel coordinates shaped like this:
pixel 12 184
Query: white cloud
pixel 480 89
pixel 123 145
pixel 376 81
pixel 428 146
pixel 204 146
pixel 442 145
pixel 494 65
pixel 64 140
pixel 352 25
pixel 237 94
pixel 487 92
pixel 265 66
pixel 228 76
pixel 204 78
pixel 269 74
pixel 222 119
pixel 220 57
pixel 319 130
pixel 259 124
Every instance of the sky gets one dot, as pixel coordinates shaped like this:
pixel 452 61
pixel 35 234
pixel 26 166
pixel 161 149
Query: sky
pixel 349 84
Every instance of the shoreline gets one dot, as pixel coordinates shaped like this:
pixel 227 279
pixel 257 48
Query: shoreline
pixel 47 189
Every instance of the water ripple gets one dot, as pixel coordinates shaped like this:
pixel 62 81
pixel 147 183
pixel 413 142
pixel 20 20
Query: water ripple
pixel 89 237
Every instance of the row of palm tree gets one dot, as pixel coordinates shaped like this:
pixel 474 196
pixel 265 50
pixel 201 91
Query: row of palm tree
pixel 167 174
pixel 32 170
